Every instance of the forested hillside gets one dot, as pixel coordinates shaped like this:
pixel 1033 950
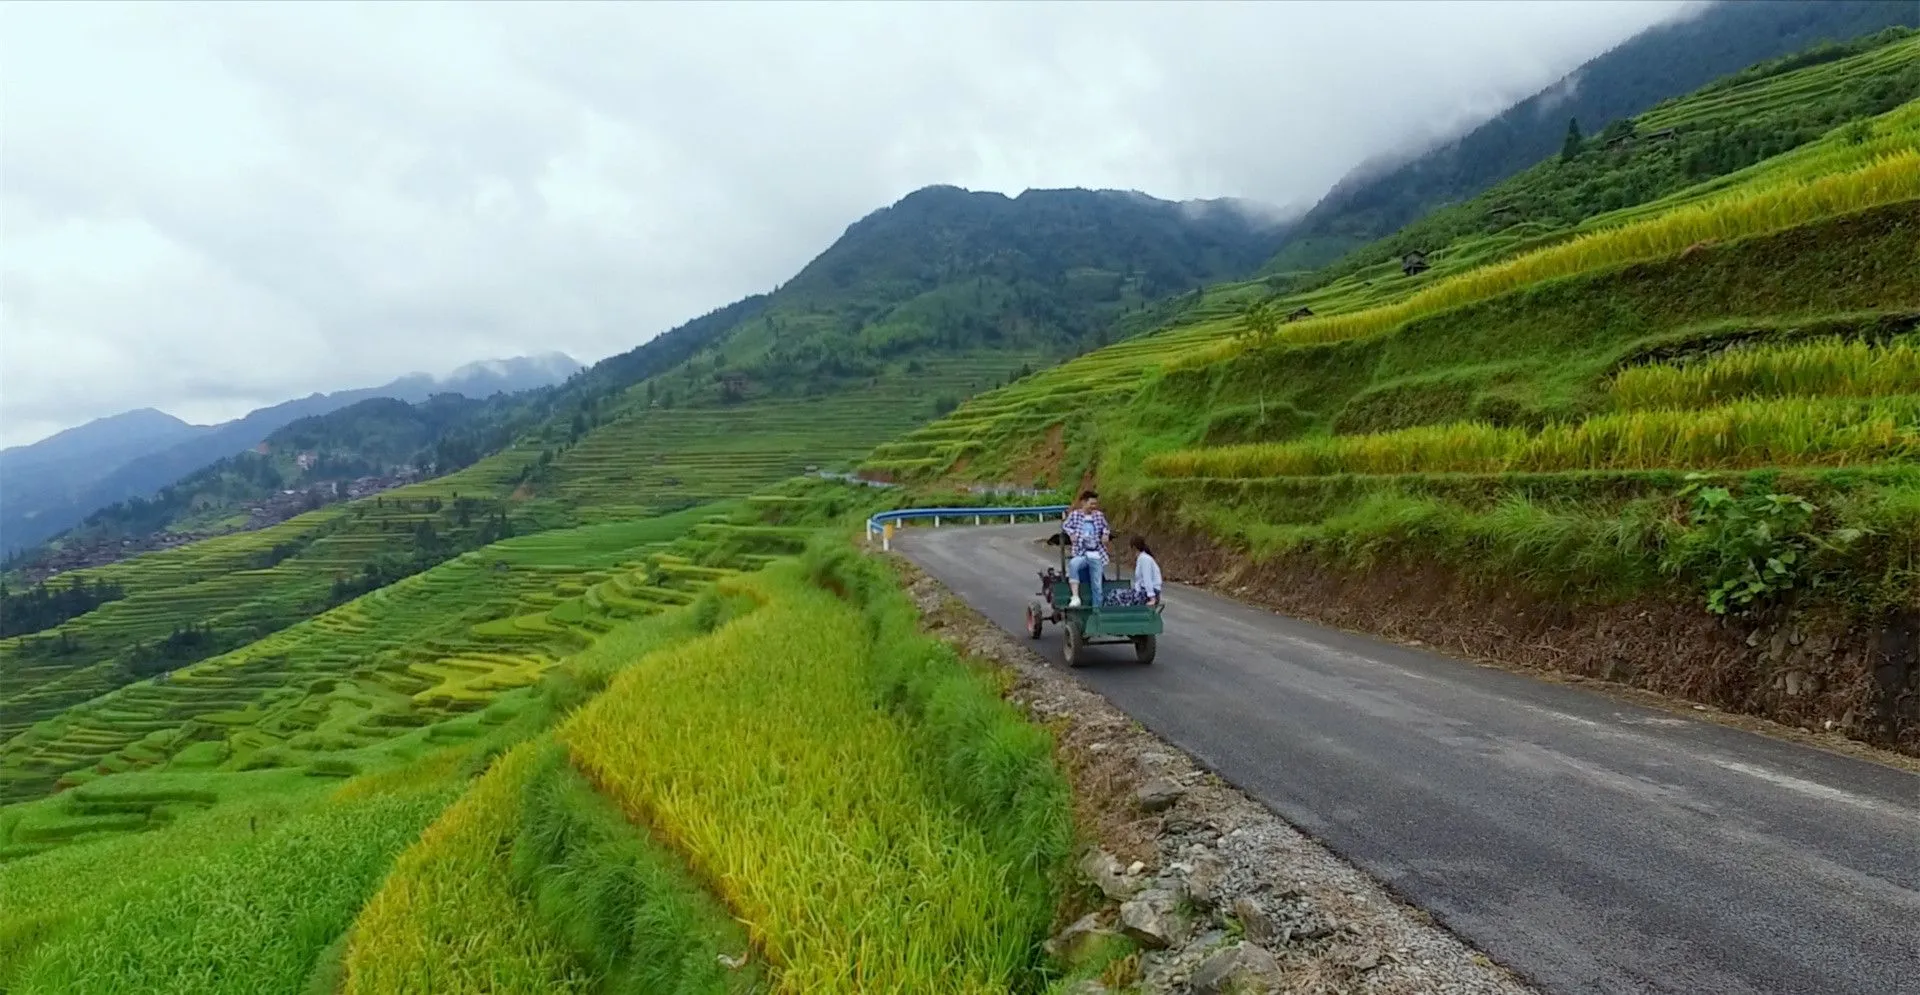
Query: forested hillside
pixel 947 271
pixel 1661 63
pixel 1750 116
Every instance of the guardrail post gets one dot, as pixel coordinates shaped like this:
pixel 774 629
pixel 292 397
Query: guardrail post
pixel 936 521
pixel 886 539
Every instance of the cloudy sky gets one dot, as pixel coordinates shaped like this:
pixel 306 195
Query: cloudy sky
pixel 207 208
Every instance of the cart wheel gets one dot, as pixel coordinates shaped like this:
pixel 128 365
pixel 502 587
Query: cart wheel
pixel 1035 619
pixel 1144 647
pixel 1074 646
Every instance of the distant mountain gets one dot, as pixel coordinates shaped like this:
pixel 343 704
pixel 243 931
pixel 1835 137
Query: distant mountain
pixel 1664 61
pixel 946 270
pixel 949 270
pixel 487 377
pixel 111 439
pixel 51 485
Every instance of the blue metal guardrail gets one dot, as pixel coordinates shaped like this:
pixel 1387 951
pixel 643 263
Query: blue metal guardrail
pixel 879 522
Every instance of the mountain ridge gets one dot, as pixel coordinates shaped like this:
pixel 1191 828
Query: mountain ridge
pixel 45 489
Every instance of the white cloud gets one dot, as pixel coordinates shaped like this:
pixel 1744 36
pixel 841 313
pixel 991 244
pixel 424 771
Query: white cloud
pixel 207 208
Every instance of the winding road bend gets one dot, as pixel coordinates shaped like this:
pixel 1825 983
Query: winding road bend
pixel 1590 845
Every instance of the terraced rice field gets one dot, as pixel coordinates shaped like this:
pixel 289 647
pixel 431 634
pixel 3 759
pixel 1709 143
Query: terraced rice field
pixel 271 862
pixel 229 584
pixel 666 456
pixel 1742 100
pixel 439 644
pixel 64 714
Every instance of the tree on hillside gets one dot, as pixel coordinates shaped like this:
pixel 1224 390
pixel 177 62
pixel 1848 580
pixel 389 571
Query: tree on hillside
pixel 1571 147
pixel 1260 323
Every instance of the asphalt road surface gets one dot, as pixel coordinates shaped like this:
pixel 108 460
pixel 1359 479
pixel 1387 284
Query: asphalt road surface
pixel 1590 845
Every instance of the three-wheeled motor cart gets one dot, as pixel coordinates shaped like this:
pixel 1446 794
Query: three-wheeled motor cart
pixel 1089 624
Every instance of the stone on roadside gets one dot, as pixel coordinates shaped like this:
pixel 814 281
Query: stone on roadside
pixel 1203 879
pixel 1158 794
pixel 1153 919
pixel 1240 967
pixel 1254 921
pixel 1082 940
pixel 1365 959
pixel 1105 872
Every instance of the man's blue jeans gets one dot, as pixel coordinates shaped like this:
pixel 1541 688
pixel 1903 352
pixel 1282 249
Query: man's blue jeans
pixel 1089 571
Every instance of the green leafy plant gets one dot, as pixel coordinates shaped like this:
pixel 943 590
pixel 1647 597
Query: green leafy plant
pixel 1748 549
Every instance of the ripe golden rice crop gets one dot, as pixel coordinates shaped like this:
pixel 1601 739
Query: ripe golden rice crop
pixel 758 753
pixel 446 918
pixel 1828 368
pixel 1464 447
pixel 1777 432
pixel 1772 207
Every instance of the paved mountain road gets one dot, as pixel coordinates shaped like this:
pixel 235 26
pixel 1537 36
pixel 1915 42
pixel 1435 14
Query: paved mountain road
pixel 1591 845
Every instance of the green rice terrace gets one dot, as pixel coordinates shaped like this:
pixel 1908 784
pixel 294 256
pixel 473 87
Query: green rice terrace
pixel 620 708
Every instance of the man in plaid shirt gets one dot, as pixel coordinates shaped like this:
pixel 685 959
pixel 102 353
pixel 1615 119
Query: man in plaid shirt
pixel 1087 528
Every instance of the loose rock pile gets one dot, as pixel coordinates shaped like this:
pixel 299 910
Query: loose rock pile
pixel 1219 894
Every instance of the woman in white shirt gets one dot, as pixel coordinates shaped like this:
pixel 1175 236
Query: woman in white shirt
pixel 1146 573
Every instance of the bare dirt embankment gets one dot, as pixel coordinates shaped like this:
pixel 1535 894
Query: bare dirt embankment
pixel 1826 682
pixel 1221 893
